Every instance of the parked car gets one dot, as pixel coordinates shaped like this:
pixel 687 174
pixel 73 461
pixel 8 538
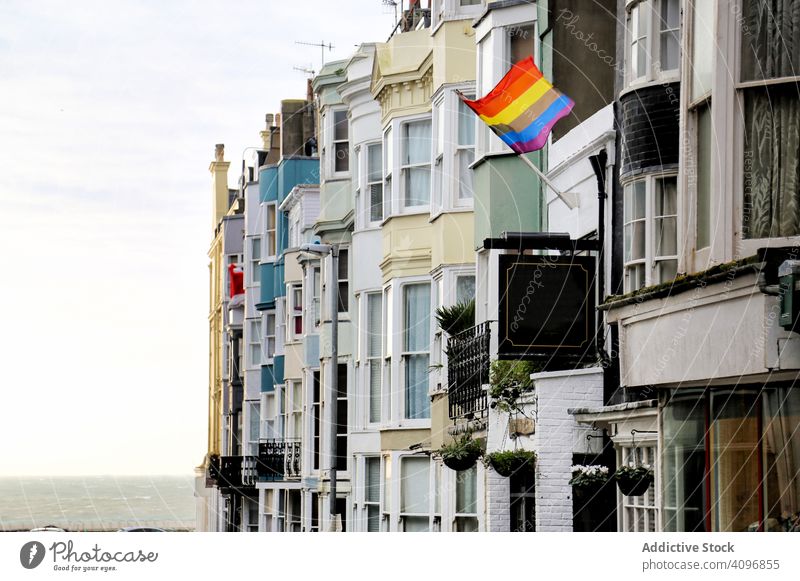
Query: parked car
pixel 142 530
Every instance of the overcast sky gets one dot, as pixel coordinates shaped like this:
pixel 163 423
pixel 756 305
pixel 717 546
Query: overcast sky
pixel 109 112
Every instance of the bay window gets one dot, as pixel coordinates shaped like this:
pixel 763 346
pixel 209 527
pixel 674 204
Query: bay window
pixel 416 349
pixel 295 312
pixel 254 427
pixel 272 239
pixel 650 231
pixel 254 359
pixel 466 517
pixel 374 331
pixel 769 85
pixel 341 417
pixel 388 166
pixel 465 149
pixel 415 493
pixel 341 141
pixel 269 336
pixel 653 40
pixel 372 490
pixel 415 164
pixel 374 183
pixel 731 460
pixel 255 260
pixel 520 43
pixel 343 284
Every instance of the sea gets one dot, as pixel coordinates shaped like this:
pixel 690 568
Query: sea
pixel 97 503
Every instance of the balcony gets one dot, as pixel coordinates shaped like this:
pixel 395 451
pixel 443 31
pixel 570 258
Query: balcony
pixel 279 460
pixel 468 371
pixel 230 472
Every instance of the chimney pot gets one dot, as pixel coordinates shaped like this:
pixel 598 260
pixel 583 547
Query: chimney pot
pixel 219 152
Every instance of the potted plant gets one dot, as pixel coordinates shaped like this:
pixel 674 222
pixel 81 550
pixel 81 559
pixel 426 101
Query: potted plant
pixel 633 480
pixel 593 476
pixel 460 317
pixel 461 453
pixel 508 462
pixel 509 380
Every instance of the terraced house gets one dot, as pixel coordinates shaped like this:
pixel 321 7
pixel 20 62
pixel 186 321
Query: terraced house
pixel 437 333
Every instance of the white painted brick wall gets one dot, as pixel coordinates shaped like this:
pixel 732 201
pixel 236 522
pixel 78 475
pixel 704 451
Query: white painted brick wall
pixel 557 437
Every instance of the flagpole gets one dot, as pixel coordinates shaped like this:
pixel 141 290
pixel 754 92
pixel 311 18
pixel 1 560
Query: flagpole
pixel 564 197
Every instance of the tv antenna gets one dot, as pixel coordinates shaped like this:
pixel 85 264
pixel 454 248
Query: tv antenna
pixel 307 70
pixel 322 46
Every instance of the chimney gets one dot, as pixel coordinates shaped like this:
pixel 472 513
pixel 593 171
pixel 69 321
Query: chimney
pixel 219 185
pixel 292 141
pixel 265 135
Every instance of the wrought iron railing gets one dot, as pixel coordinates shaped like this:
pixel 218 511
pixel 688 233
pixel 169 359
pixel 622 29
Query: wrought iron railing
pixel 279 459
pixel 230 472
pixel 468 371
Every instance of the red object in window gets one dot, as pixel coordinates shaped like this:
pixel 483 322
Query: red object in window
pixel 298 321
pixel 236 280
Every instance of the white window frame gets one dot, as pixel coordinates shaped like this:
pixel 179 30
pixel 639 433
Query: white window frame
pixel 445 178
pixel 393 392
pixel 254 261
pixel 293 311
pixel 236 260
pixel 446 10
pixel 269 358
pixel 650 259
pixel 254 341
pixel 270 254
pixel 652 40
pixel 647 504
pixel 465 515
pixel 368 222
pixel 388 171
pixel 394 171
pixel 401 459
pixel 346 262
pixel 366 360
pixel 331 141
pixel 294 409
pixel 743 246
pixel 405 168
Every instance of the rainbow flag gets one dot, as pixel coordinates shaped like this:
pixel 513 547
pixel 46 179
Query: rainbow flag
pixel 522 108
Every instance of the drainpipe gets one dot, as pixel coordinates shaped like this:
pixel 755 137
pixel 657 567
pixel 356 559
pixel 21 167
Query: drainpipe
pixel 598 162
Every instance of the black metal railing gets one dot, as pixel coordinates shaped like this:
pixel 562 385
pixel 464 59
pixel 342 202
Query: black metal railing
pixel 468 371
pixel 279 459
pixel 230 472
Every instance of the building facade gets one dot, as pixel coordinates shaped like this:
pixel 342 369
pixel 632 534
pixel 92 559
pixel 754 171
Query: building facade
pixel 630 303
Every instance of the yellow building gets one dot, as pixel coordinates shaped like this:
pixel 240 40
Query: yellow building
pixel 427 261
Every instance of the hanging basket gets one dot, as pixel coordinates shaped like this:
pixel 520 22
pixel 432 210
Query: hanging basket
pixel 461 463
pixel 512 462
pixel 633 481
pixel 462 453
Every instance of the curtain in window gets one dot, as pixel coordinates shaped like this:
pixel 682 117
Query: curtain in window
pixel 374 179
pixel 770 39
pixel 414 485
pixel 374 335
pixel 467 491
pixel 417 344
pixel 781 442
pixel 418 151
pixel 465 187
pixel 772 161
pixel 771 50
pixel 372 493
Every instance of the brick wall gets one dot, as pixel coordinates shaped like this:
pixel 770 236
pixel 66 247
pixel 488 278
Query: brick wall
pixel 557 437
pixel 649 128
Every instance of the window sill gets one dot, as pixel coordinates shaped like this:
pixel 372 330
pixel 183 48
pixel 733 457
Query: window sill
pixel 648 83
